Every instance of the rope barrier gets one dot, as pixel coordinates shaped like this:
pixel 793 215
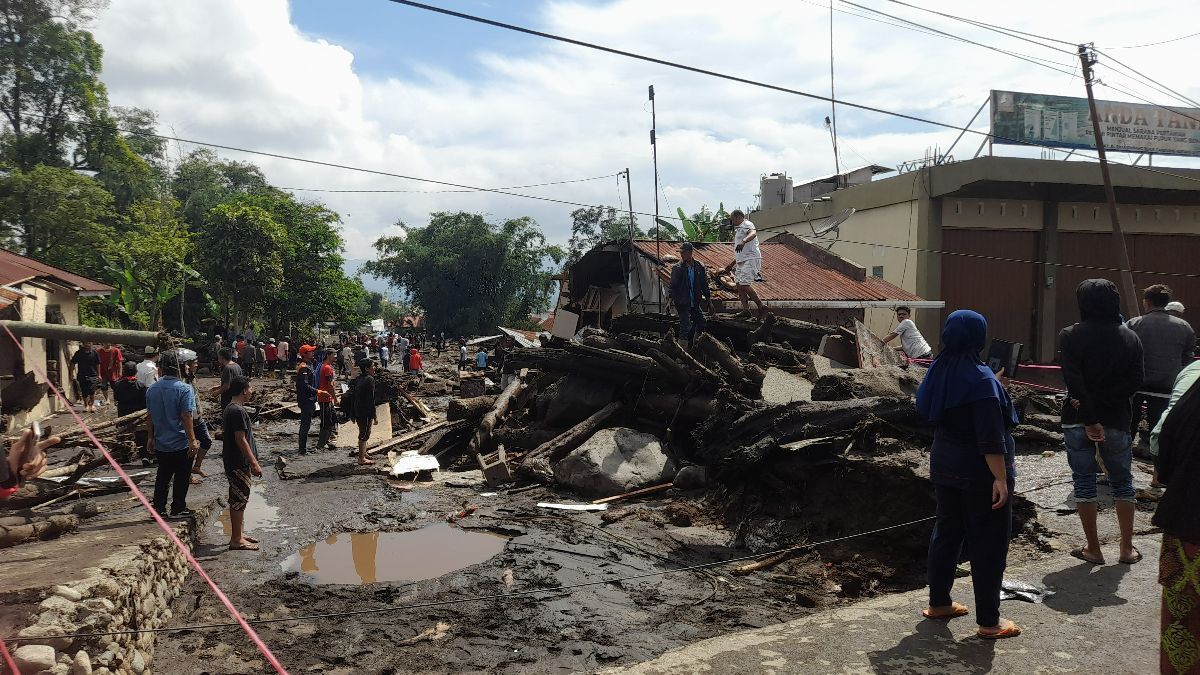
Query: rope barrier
pixel 8 659
pixel 162 524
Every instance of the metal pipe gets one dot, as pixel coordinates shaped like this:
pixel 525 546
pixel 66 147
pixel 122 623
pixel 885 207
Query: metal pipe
pixel 60 331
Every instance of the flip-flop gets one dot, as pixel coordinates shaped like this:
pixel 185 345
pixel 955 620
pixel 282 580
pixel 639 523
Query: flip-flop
pixel 1079 553
pixel 957 611
pixel 366 463
pixel 252 540
pixel 196 481
pixel 244 547
pixel 1134 560
pixel 1011 630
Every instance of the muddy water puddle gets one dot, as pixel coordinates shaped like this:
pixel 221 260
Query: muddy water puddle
pixel 372 557
pixel 260 515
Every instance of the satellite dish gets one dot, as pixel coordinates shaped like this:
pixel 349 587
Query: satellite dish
pixel 823 226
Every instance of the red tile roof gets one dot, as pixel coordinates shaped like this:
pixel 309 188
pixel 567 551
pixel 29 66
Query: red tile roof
pixel 794 269
pixel 16 268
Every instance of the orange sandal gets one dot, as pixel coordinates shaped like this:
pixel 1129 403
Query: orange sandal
pixel 1009 631
pixel 956 610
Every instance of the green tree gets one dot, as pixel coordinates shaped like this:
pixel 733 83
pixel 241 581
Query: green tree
pixel 593 225
pixel 57 216
pixel 203 181
pixel 470 275
pixel 241 258
pixel 154 257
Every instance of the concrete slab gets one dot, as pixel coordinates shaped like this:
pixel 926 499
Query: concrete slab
pixel 1103 619
pixel 781 387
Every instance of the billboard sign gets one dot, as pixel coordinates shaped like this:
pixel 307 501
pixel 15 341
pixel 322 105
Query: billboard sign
pixel 1064 122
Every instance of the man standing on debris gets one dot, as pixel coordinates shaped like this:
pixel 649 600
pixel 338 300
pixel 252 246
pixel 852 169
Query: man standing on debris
pixel 1102 365
pixel 1167 346
pixel 384 353
pixel 364 407
pixel 239 455
pixel 282 353
pixel 747 263
pixel 229 370
pixel 327 397
pixel 85 370
pixel 129 395
pixel 306 394
pixel 972 466
pixel 481 358
pixel 689 292
pixel 463 360
pixel 415 363
pixel 172 438
pixel 147 370
pixel 271 352
pixel 345 358
pixel 912 343
pixel 403 346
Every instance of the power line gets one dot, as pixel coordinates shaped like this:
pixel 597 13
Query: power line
pixel 482 598
pixel 1011 32
pixel 508 187
pixel 1147 78
pixel 747 81
pixel 1161 42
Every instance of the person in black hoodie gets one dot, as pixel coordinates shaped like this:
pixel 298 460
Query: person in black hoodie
pixel 1177 440
pixel 1102 364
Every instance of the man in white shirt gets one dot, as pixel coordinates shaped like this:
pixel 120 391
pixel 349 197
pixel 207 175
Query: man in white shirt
pixel 402 347
pixel 747 263
pixel 147 370
pixel 281 353
pixel 912 343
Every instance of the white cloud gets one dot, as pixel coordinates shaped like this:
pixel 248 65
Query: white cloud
pixel 239 73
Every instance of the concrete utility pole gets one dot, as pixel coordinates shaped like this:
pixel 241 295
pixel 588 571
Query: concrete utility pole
pixel 1133 307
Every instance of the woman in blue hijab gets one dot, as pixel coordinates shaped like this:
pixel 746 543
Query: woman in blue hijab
pixel 972 468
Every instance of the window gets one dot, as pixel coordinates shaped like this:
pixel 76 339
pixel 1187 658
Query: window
pixel 877 271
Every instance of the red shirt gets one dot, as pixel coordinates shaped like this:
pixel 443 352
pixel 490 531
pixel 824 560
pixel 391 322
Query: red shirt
pixel 110 364
pixel 325 384
pixel 414 360
pixel 272 353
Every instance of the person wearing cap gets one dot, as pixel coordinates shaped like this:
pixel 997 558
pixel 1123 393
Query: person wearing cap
pixel 147 370
pixel 1168 343
pixel 306 393
pixel 327 396
pixel 1175 309
pixel 172 437
pixel 689 293
pixel 260 358
pixel 271 356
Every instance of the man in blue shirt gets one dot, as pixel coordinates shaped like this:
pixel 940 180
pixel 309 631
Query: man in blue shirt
pixel 689 288
pixel 171 403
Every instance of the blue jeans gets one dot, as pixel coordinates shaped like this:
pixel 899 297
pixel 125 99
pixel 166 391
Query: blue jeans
pixel 691 323
pixel 1117 453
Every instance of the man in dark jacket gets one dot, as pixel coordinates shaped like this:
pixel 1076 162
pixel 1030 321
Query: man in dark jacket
pixel 1102 365
pixel 689 288
pixel 306 393
pixel 130 396
pixel 1168 343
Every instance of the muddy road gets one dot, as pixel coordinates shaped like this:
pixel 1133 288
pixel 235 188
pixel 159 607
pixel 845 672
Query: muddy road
pixel 405 591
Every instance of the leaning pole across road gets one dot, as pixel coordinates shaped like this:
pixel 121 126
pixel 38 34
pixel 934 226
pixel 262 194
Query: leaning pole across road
pixel 60 331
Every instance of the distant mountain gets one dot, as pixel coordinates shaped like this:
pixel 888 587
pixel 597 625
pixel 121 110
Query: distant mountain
pixel 371 283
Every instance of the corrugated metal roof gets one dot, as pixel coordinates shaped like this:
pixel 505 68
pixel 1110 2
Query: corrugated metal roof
pixel 16 268
pixel 791 269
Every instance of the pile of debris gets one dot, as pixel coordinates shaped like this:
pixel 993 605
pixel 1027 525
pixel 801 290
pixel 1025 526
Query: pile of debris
pixel 613 411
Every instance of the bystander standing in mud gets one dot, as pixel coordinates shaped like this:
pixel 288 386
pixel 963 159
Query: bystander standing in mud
pixel 172 438
pixel 972 466
pixel 327 398
pixel 364 407
pixel 229 370
pixel 689 292
pixel 1102 365
pixel 239 455
pixel 129 395
pixel 306 393
pixel 85 371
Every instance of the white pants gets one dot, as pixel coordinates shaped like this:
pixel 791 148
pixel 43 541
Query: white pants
pixel 746 272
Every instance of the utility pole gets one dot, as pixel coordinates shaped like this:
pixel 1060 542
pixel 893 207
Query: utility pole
pixel 628 255
pixel 654 148
pixel 1087 58
pixel 837 165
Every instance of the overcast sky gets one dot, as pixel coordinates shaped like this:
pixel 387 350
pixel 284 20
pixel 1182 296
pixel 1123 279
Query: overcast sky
pixel 377 85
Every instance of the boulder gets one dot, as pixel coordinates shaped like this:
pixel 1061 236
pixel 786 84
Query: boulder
pixel 691 477
pixel 781 387
pixel 35 658
pixel 614 461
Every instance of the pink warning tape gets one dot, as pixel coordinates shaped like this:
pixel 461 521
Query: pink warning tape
pixel 8 659
pixel 141 497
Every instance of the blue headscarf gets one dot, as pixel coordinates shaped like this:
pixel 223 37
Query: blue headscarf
pixel 957 376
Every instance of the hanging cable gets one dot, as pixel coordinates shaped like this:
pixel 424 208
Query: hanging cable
pixel 434 192
pixel 1011 32
pixel 1155 44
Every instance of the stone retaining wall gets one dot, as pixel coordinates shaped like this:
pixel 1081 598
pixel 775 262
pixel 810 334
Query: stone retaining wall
pixel 131 588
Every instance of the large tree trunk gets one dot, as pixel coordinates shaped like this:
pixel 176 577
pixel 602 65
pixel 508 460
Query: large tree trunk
pixel 558 447
pixel 483 433
pixel 33 530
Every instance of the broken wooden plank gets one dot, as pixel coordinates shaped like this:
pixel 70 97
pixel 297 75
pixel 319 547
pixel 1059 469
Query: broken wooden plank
pixel 634 493
pixel 408 436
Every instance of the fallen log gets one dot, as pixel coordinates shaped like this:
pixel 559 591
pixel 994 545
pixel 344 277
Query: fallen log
pixel 674 371
pixel 729 362
pixel 76 436
pixel 35 530
pixel 672 348
pixel 671 407
pixel 784 358
pixel 526 438
pixel 558 447
pixel 473 408
pixel 767 562
pixel 493 417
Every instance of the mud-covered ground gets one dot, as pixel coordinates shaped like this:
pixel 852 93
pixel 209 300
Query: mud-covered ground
pixel 330 522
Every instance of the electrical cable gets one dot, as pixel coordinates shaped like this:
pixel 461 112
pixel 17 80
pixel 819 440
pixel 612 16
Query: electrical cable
pixel 747 81
pixel 1161 42
pixel 1148 101
pixel 507 187
pixel 1142 75
pixel 1011 32
pixel 483 598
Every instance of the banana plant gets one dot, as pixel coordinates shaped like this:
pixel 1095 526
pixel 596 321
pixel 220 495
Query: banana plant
pixel 704 226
